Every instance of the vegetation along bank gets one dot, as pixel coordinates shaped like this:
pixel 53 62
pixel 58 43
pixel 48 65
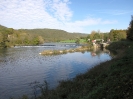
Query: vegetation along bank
pixel 109 80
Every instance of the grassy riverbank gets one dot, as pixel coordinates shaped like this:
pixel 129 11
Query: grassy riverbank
pixel 109 80
pixel 73 41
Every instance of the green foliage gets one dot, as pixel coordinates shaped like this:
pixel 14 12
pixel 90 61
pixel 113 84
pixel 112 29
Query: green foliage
pixel 68 41
pixel 53 35
pixel 3 37
pixel 119 45
pixel 82 40
pixel 130 30
pixel 77 41
pixel 110 80
pixel 73 41
pixel 116 35
pixel 113 35
pixel 97 35
pixel 10 37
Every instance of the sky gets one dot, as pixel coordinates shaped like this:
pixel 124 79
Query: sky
pixel 81 16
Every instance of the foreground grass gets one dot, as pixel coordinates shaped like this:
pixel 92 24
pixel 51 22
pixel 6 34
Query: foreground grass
pixel 109 80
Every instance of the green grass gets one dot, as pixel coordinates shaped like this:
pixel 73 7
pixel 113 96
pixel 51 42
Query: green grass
pixel 109 80
pixel 68 41
pixel 82 40
pixel 73 41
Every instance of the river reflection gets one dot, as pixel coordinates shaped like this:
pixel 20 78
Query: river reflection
pixel 21 66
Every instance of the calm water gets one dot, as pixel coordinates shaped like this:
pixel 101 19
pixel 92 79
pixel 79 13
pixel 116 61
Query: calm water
pixel 21 66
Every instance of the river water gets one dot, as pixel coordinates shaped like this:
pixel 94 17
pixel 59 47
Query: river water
pixel 21 66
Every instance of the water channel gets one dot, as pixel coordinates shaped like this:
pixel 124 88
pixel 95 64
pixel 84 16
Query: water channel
pixel 20 66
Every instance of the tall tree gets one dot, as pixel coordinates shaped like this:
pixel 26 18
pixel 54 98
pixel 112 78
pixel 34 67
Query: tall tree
pixel 130 30
pixel 116 35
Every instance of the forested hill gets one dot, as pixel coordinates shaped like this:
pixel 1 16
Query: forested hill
pixel 53 34
pixel 10 37
pixel 2 27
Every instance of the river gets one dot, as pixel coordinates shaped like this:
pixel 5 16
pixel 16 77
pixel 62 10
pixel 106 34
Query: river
pixel 21 66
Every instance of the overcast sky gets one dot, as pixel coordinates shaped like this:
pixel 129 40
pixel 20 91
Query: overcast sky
pixel 69 15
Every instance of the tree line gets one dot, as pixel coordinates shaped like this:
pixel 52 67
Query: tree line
pixel 10 37
pixel 113 35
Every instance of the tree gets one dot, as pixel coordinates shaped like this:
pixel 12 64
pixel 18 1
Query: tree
pixel 96 36
pixel 130 30
pixel 77 41
pixel 92 35
pixel 3 39
pixel 116 35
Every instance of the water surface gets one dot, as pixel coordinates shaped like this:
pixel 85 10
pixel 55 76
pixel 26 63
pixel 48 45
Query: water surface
pixel 21 66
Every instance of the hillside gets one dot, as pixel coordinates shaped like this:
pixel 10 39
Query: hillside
pixel 53 34
pixel 1 27
pixel 10 37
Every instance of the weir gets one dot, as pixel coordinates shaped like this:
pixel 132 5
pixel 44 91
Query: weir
pixel 61 44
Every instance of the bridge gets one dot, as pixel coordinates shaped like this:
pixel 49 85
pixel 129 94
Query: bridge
pixel 102 45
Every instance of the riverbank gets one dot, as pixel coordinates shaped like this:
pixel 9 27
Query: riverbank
pixel 109 80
